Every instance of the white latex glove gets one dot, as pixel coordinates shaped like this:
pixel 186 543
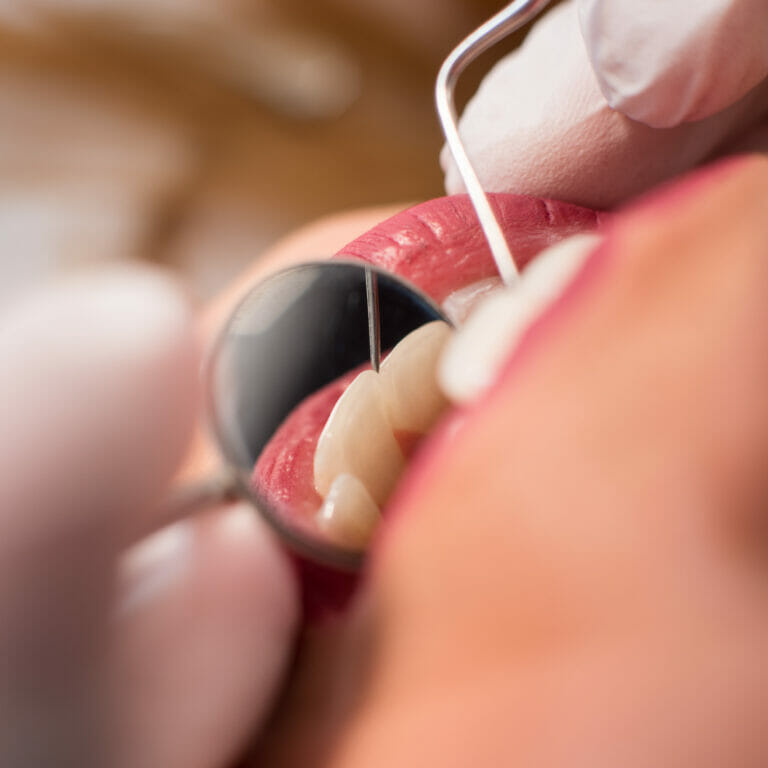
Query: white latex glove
pixel 606 98
pixel 166 653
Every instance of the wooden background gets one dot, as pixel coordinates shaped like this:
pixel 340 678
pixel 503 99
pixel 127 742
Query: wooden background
pixel 197 132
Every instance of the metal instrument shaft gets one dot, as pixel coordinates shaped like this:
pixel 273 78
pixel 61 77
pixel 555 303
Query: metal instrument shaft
pixel 506 21
pixel 374 318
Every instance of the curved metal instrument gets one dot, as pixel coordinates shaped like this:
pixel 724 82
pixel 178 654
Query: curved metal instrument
pixel 495 29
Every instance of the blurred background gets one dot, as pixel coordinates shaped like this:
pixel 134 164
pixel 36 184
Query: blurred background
pixel 195 133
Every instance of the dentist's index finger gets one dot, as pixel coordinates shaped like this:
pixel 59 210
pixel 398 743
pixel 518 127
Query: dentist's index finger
pixel 97 396
pixel 665 62
pixel 540 125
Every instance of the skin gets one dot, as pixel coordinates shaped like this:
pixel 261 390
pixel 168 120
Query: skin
pixel 617 616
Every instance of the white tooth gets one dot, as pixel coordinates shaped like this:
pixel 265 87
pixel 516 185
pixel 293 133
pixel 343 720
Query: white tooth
pixel 348 515
pixel 408 378
pixel 358 439
pixel 459 304
pixel 473 358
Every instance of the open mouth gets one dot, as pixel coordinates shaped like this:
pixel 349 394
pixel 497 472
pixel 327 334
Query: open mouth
pixel 337 457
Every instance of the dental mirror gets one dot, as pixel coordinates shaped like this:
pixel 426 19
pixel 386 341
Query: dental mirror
pixel 283 358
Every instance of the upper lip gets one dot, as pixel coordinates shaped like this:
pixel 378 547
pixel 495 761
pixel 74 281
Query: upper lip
pixel 440 247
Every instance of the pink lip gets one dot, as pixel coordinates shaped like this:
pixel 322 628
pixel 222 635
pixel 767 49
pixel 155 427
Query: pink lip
pixel 438 246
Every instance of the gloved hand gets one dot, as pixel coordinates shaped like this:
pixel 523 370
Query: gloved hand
pixel 606 98
pixel 164 653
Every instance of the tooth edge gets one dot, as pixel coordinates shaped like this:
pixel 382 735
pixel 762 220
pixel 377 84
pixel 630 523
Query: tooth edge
pixel 348 515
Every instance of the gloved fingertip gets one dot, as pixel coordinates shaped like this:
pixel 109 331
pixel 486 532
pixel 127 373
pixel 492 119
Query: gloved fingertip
pixel 211 604
pixel 666 62
pixel 98 388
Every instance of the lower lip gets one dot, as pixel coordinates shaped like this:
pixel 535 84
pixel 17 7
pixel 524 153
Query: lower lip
pixel 439 247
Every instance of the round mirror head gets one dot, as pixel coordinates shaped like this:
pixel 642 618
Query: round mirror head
pixel 293 346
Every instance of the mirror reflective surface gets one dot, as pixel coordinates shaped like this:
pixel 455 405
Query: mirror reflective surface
pixel 288 352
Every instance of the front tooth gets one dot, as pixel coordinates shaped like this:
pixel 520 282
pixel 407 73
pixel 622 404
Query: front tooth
pixel 408 379
pixel 348 515
pixel 358 439
pixel 473 359
pixel 459 305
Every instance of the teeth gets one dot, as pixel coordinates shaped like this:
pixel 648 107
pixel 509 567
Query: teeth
pixel 473 358
pixel 408 380
pixel 349 515
pixel 358 459
pixel 460 303
pixel 358 440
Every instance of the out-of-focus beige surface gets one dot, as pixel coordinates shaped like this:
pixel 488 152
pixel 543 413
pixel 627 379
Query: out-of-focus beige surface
pixel 196 133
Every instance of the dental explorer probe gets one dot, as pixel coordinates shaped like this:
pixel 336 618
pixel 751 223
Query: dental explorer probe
pixel 506 21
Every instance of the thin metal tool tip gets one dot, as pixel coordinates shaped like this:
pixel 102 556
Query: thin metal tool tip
pixel 514 16
pixel 374 320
